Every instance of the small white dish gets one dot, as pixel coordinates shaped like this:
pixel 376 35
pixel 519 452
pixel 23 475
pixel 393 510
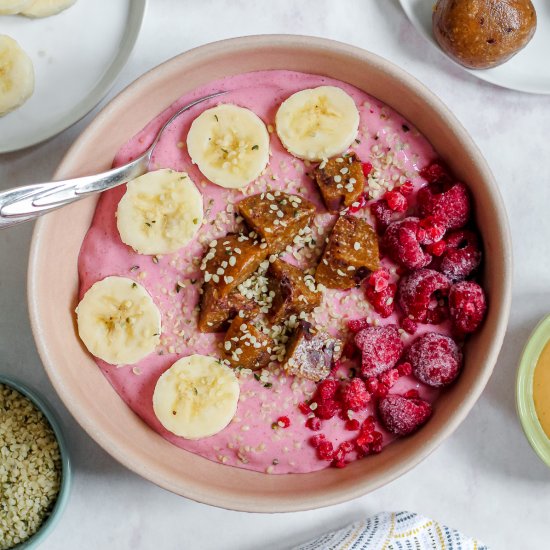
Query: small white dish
pixel 77 55
pixel 528 71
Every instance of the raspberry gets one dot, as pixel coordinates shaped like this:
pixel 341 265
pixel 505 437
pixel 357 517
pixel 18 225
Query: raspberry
pixel 358 204
pixel 396 201
pixel 372 384
pixel 462 255
pixel 355 396
pixel 435 359
pixel 402 416
pixel 383 215
pixel 367 168
pixel 316 439
pixel 326 390
pixel 304 408
pixel 467 306
pixel 435 172
pixel 383 301
pixel 421 296
pixel 449 201
pixel 412 394
pixel 313 424
pixel 379 280
pixel 368 424
pixel 381 391
pixel 376 448
pixel 326 409
pixel 431 230
pixel 408 325
pixel 347 446
pixel 389 378
pixel 355 325
pixel 283 422
pixel 349 349
pixel 339 463
pixel 325 450
pixel 380 347
pixel 353 425
pixel 407 188
pixel 404 369
pixel 437 249
pixel 402 245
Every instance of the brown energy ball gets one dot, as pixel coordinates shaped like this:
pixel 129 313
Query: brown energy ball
pixel 480 34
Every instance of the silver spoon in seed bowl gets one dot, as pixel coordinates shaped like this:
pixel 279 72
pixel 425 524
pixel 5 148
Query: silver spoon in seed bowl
pixel 25 203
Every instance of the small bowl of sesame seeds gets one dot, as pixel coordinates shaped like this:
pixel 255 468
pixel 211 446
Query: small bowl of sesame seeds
pixel 35 471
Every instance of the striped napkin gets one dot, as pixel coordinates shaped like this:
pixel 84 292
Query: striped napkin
pixel 394 531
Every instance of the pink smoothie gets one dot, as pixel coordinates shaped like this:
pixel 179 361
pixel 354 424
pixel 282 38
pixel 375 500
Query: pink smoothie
pixel 395 149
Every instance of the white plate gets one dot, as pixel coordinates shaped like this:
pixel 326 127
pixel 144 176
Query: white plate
pixel 528 71
pixel 77 55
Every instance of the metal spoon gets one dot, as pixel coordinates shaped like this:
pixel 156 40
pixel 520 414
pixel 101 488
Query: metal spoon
pixel 25 203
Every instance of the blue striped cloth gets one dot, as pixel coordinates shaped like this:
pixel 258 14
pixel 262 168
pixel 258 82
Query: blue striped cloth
pixel 394 531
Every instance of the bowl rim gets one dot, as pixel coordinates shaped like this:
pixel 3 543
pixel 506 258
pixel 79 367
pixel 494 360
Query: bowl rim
pixel 238 45
pixel 525 404
pixel 54 421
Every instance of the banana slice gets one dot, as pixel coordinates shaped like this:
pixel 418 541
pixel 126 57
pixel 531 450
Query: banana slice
pixel 229 144
pixel 118 321
pixel 8 7
pixel 16 75
pixel 45 8
pixel 160 212
pixel 196 397
pixel 317 123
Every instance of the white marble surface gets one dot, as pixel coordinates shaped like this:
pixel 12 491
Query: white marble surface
pixel 485 479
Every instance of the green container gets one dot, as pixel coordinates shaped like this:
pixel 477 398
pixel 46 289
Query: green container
pixel 66 472
pixel 524 390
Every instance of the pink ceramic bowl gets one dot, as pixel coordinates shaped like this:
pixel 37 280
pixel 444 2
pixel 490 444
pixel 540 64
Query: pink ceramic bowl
pixel 53 278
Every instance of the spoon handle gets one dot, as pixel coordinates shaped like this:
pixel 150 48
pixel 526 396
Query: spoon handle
pixel 22 204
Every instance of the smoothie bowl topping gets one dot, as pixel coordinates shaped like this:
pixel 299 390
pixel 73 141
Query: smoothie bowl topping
pixel 292 286
pixel 30 468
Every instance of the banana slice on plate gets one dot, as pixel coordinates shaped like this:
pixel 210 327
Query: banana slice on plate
pixel 118 321
pixel 317 123
pixel 16 75
pixel 9 7
pixel 196 397
pixel 229 144
pixel 45 8
pixel 160 212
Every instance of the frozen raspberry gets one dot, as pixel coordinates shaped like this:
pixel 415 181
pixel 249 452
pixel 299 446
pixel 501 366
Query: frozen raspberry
pixel 402 416
pixel 316 439
pixel 448 201
pixel 367 168
pixel 355 325
pixel 354 396
pixel 304 408
pixel 408 325
pixel 407 188
pixel 389 378
pixel 467 306
pixel 381 391
pixel 431 230
pixel 326 409
pixel 379 280
pixel 404 369
pixel 372 384
pixel 435 172
pixel 381 348
pixel 325 450
pixel 435 359
pixel 283 422
pixel 383 215
pixel 313 423
pixel 401 244
pixel 421 296
pixel 437 249
pixel 353 425
pixel 368 424
pixel 412 394
pixel 382 300
pixel 462 255
pixel 326 390
pixel 396 201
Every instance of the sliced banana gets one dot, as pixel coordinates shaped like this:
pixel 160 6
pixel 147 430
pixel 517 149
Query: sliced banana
pixel 229 144
pixel 45 8
pixel 196 397
pixel 16 75
pixel 160 212
pixel 118 321
pixel 317 123
pixel 8 7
